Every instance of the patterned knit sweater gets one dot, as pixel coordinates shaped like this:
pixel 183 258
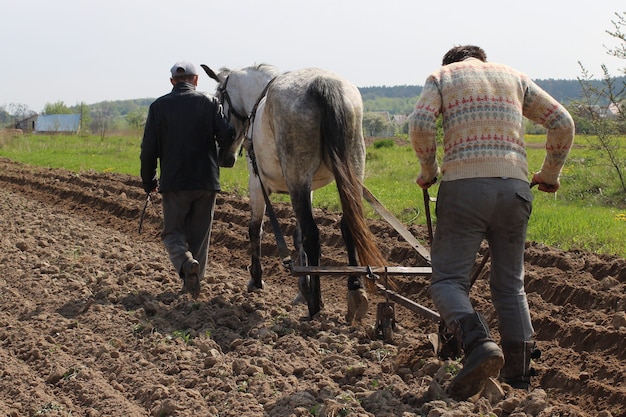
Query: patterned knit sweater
pixel 483 105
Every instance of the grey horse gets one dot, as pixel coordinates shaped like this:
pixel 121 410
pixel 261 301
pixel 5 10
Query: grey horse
pixel 301 130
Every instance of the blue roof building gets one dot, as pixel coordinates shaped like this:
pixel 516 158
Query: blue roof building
pixel 51 123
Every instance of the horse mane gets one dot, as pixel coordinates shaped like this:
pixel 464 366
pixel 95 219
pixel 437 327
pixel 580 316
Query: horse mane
pixel 265 68
pixel 268 69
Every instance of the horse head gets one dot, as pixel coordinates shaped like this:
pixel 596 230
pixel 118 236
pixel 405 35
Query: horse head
pixel 239 92
pixel 236 116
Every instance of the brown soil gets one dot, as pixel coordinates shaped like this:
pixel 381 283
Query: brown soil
pixel 92 322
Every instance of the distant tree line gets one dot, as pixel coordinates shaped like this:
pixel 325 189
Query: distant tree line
pixel 108 116
pixel 400 99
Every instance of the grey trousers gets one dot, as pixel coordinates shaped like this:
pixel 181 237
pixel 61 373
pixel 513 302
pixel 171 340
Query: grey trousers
pixel 187 222
pixel 469 211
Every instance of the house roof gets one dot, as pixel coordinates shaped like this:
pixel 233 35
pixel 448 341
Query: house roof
pixel 57 123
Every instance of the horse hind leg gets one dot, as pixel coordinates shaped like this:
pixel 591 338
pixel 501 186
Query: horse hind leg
pixel 357 300
pixel 301 201
pixel 304 280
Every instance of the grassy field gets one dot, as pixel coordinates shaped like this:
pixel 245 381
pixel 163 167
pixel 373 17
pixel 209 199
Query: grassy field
pixel 588 212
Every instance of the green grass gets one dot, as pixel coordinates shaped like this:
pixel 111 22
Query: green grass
pixel 588 212
pixel 76 153
pixel 566 225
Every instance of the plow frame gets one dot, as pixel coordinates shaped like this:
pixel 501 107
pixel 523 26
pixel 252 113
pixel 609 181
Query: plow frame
pixel 374 272
pixel 446 345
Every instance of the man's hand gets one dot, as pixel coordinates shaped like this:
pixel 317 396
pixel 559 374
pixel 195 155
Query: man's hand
pixel 542 185
pixel 151 186
pixel 425 184
pixel 226 158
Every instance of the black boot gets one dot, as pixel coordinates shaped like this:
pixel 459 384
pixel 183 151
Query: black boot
pixel 191 280
pixel 517 370
pixel 483 357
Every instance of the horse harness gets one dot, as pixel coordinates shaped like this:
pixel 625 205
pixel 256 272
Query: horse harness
pixel 223 95
pixel 248 122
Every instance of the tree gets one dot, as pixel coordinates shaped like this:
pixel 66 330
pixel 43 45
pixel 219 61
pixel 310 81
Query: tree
pixel 603 105
pixel 102 119
pixel 374 124
pixel 56 108
pixel 19 112
pixel 137 118
pixel 85 117
pixel 5 117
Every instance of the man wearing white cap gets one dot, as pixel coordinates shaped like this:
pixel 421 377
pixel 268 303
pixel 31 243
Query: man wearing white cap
pixel 183 131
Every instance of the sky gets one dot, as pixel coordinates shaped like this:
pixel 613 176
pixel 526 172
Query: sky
pixel 88 51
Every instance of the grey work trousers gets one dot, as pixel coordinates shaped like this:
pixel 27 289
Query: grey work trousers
pixel 187 222
pixel 469 211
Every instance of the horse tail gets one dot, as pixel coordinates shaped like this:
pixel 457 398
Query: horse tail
pixel 336 127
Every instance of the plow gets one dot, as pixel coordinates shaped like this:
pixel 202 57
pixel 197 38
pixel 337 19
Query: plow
pixel 445 345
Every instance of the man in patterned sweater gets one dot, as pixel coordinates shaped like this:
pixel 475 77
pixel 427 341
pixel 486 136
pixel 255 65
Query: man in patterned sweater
pixel 485 194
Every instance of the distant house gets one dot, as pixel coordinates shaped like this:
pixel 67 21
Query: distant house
pixel 28 124
pixel 612 111
pixel 51 123
pixel 399 119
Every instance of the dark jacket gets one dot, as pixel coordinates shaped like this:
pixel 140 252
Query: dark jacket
pixel 181 132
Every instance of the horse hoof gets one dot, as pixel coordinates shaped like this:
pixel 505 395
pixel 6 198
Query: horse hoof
pixel 299 299
pixel 315 316
pixel 252 287
pixel 357 305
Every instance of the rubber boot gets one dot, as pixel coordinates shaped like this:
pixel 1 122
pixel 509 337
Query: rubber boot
pixel 483 358
pixel 191 280
pixel 517 370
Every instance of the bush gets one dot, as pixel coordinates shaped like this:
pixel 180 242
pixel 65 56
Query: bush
pixel 384 143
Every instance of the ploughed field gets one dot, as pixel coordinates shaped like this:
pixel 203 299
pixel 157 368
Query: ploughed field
pixel 92 322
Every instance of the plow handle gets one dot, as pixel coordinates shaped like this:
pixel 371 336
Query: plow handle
pixel 429 221
pixel 143 212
